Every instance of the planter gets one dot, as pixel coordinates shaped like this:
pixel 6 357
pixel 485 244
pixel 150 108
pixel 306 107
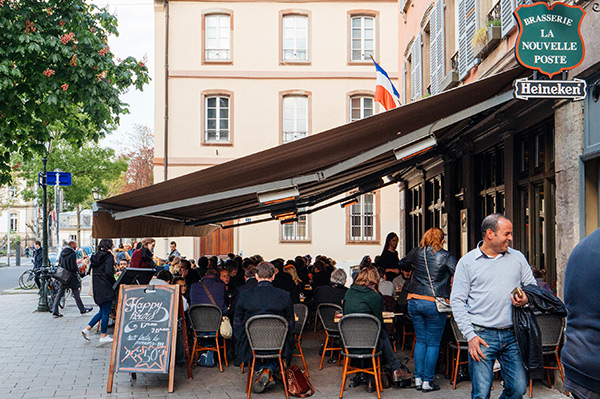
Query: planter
pixel 492 39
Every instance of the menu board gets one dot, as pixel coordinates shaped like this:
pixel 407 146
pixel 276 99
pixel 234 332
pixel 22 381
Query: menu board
pixel 148 318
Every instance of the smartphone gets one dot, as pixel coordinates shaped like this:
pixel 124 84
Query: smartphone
pixel 518 292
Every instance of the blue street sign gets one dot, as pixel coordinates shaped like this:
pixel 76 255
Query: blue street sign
pixel 64 178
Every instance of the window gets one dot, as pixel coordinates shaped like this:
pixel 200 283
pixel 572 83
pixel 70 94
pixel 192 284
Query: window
pixel 415 216
pixel 296 231
pixel 437 56
pixel 362 41
pixel 363 219
pixel 217 37
pixel 14 225
pixel 361 107
pixel 467 25
pixel 294 117
pixel 416 84
pixel 216 128
pixel 294 38
pixel 434 196
pixel 73 237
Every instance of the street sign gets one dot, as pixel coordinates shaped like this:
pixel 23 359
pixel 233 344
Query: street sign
pixel 64 178
pixel 574 89
pixel 549 38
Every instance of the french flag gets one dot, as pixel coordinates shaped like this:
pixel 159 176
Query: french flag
pixel 385 92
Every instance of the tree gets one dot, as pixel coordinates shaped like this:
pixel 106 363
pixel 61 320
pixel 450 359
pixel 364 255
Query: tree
pixel 58 77
pixel 139 153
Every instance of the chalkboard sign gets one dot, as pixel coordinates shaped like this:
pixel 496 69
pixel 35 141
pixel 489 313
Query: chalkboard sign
pixel 146 331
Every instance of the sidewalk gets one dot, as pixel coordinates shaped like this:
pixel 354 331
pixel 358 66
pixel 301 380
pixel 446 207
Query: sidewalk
pixel 44 357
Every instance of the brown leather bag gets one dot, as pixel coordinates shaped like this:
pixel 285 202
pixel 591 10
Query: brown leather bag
pixel 298 383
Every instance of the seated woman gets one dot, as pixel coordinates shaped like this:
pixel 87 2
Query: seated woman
pixel 363 297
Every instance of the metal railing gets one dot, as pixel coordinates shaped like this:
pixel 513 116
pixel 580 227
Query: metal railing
pixel 454 61
pixel 495 13
pixel 292 136
pixel 217 55
pixel 294 55
pixel 217 135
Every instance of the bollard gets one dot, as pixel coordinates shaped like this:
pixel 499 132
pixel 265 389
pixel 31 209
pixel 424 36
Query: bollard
pixel 18 253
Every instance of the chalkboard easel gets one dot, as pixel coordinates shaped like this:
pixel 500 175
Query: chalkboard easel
pixel 146 332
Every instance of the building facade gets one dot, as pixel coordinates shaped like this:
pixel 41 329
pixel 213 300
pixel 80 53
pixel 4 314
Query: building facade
pixel 246 76
pixel 535 161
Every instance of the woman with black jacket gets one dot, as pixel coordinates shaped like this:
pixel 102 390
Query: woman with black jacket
pixel 103 278
pixel 432 269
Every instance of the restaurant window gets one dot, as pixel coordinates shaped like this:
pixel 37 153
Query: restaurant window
pixel 415 216
pixel 294 117
pixel 362 38
pixel 535 216
pixel 217 38
pixel 14 222
pixel 434 197
pixel 296 231
pixel 294 38
pixel 217 119
pixel 489 183
pixel 363 219
pixel 361 107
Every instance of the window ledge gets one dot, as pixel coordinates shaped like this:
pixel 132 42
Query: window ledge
pixel 363 242
pixel 492 40
pixel 216 62
pixel 216 144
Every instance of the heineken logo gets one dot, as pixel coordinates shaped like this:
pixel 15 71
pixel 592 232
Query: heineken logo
pixel 549 38
pixel 574 89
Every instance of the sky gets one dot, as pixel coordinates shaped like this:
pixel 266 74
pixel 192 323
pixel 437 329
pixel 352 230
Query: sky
pixel 136 38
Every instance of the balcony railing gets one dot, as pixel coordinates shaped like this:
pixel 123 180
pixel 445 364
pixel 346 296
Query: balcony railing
pixel 494 15
pixel 217 136
pixel 294 55
pixel 292 136
pixel 454 61
pixel 217 54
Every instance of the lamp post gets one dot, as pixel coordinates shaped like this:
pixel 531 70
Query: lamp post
pixel 43 302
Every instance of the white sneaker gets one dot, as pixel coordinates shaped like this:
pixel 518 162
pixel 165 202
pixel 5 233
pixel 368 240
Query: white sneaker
pixel 105 340
pixel 86 334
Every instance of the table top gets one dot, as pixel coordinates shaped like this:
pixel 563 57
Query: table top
pixel 388 317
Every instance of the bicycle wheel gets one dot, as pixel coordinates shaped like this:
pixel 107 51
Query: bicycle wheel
pixel 63 300
pixel 27 280
pixel 50 293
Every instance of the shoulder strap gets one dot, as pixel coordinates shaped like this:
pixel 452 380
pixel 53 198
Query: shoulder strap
pixel 427 268
pixel 212 300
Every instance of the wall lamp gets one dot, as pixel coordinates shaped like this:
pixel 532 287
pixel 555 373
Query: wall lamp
pixel 415 148
pixel 349 202
pixel 285 216
pixel 276 196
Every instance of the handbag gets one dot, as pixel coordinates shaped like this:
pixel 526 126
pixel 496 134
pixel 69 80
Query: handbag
pixel 440 303
pixel 225 330
pixel 298 383
pixel 63 275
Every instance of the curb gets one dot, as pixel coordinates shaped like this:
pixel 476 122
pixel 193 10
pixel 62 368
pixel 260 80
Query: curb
pixel 15 291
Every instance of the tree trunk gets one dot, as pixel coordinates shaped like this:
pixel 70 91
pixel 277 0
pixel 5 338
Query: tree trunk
pixel 79 224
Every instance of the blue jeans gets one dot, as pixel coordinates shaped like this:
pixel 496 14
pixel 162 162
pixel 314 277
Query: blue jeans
pixel 103 314
pixel 429 327
pixel 503 347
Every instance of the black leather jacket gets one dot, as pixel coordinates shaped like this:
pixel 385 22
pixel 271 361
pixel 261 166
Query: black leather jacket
pixel 441 268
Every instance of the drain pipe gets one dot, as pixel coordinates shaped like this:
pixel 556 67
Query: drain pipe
pixel 166 143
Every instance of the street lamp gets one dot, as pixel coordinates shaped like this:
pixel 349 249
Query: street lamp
pixel 43 302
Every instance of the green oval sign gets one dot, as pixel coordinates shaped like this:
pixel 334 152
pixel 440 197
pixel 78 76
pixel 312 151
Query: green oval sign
pixel 549 37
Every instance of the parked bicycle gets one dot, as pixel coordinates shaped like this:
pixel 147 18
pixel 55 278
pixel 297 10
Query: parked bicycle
pixel 27 280
pixel 52 287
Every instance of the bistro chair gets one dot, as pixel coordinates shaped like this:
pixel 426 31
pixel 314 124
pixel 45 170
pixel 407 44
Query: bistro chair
pixel 205 320
pixel 301 312
pixel 360 333
pixel 460 345
pixel 266 336
pixel 326 313
pixel 552 327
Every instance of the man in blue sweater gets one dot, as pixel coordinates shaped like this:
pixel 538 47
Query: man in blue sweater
pixel 580 353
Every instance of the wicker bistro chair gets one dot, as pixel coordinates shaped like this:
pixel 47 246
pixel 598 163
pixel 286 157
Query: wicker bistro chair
pixel 301 312
pixel 326 313
pixel 360 333
pixel 205 320
pixel 266 336
pixel 458 346
pixel 552 327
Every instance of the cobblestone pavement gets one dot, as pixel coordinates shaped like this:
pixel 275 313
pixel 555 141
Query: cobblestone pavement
pixel 44 357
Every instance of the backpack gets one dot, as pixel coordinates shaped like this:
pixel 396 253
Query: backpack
pixel 298 383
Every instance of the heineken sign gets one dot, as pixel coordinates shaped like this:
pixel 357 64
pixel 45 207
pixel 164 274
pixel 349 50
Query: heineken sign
pixel 571 89
pixel 549 37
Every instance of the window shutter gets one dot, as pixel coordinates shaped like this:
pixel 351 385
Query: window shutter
pixel 467 25
pixel 507 8
pixel 437 58
pixel 403 78
pixel 416 70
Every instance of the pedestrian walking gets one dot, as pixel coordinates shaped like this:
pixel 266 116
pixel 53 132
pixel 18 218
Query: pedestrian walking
pixel 482 303
pixel 580 353
pixel 68 261
pixel 37 262
pixel 432 268
pixel 103 279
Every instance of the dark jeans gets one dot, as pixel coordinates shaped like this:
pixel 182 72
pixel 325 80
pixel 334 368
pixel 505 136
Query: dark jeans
pixel 429 327
pixel 389 356
pixel 37 273
pixel 103 315
pixel 503 347
pixel 74 286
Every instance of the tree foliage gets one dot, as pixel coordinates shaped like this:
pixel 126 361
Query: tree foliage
pixel 92 168
pixel 58 77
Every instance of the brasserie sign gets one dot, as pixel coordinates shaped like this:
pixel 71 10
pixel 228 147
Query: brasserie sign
pixel 549 38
